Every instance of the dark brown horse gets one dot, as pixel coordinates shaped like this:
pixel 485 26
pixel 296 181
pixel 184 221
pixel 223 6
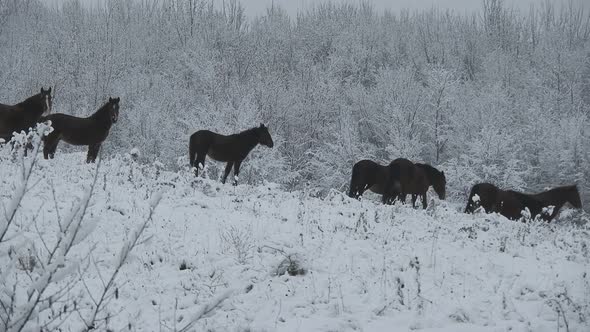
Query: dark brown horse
pixel 368 175
pixel 414 179
pixel 511 204
pixel 232 149
pixel 91 131
pixel 24 115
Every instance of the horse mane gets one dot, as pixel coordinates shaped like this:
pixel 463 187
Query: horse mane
pixel 551 194
pixel 570 188
pixel 251 130
pixel 534 205
pixel 101 110
pixel 431 172
pixel 31 100
pixel 528 200
pixel 247 132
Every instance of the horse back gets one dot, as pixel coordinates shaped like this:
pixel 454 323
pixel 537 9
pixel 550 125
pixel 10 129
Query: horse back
pixel 369 173
pixel 405 167
pixel 515 202
pixel 560 195
pixel 412 179
pixel 218 147
pixel 201 136
pixel 78 131
pixel 60 121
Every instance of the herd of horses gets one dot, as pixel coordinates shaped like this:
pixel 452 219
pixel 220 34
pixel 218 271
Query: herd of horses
pixel 394 181
pixel 402 177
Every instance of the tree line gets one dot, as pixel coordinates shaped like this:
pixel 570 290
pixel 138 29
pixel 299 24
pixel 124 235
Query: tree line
pixel 499 95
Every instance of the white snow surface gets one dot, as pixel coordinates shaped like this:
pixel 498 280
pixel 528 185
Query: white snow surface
pixel 368 267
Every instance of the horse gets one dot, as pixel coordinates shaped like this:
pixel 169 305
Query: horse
pixel 24 115
pixel 91 131
pixel 558 197
pixel 510 203
pixel 368 175
pixel 232 149
pixel 414 179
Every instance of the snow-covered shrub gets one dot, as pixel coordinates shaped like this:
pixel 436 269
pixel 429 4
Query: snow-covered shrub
pixel 43 261
pixel 291 265
pixel 238 241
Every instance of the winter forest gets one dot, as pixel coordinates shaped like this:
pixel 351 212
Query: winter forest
pixel 499 95
pixel 136 242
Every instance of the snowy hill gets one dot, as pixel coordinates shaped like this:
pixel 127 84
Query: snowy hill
pixel 215 257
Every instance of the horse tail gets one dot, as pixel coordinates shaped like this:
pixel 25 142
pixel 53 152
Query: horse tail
pixel 469 200
pixel 192 153
pixel 576 201
pixel 353 190
pixel 350 190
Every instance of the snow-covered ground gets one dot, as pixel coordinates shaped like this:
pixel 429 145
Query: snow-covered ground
pixel 216 256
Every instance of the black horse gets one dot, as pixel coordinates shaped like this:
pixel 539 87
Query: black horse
pixel 415 179
pixel 232 149
pixel 510 203
pixel 368 175
pixel 24 115
pixel 91 131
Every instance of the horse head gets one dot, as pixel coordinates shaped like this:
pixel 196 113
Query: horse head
pixel 46 99
pixel 264 136
pixel 574 197
pixel 439 184
pixel 114 109
pixel 483 195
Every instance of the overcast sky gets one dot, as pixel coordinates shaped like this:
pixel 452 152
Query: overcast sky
pixel 258 7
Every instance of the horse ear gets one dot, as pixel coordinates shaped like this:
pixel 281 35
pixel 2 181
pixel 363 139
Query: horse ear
pixel 118 99
pixel 49 90
pixel 42 90
pixel 111 99
pixel 261 125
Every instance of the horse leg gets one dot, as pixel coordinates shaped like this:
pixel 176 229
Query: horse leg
pixel 356 190
pixel 360 190
pixel 50 143
pixel 200 163
pixel 402 198
pixel 52 150
pixel 227 170
pixel 352 191
pixel 414 196
pixel 45 150
pixel 424 202
pixel 92 153
pixel 192 153
pixel 237 165
pixel 28 146
pixel 387 198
